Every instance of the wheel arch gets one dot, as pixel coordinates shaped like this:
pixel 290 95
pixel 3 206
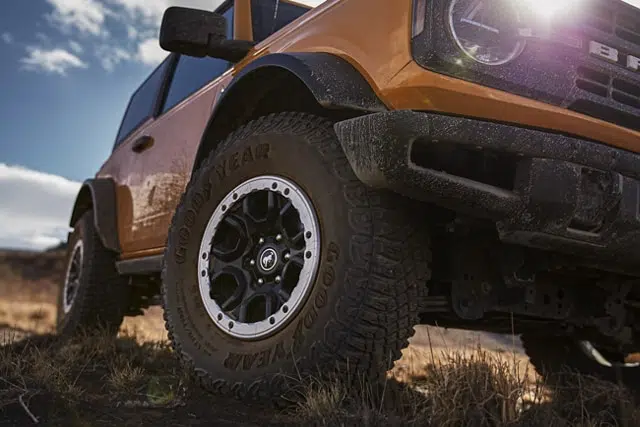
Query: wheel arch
pixel 318 83
pixel 99 195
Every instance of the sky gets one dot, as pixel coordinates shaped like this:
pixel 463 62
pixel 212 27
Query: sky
pixel 67 71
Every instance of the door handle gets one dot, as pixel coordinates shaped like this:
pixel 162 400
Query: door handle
pixel 143 143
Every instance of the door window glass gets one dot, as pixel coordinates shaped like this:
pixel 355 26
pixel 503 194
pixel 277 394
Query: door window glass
pixel 192 73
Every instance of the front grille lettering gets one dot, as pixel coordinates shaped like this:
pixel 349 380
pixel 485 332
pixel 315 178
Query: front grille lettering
pixel 603 51
pixel 633 63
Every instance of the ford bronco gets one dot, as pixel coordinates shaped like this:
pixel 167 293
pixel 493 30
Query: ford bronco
pixel 298 187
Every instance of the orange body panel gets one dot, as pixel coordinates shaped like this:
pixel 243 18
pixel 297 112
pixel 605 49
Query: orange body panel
pixel 374 36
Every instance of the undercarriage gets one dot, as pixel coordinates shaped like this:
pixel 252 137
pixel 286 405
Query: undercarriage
pixel 480 283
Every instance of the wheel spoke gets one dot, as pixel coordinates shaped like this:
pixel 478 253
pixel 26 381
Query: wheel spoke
pixel 288 205
pixel 233 298
pixel 228 254
pixel 294 260
pixel 241 284
pixel 297 259
pixel 273 210
pixel 268 305
pixel 283 295
pixel 246 208
pixel 298 237
pixel 240 312
pixel 237 223
pixel 75 263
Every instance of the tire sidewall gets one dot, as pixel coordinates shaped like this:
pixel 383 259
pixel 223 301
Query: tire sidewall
pixel 310 165
pixel 67 322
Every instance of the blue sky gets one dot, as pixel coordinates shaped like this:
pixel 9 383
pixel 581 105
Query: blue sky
pixel 68 68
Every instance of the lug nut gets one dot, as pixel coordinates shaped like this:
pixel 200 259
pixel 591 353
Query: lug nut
pixel 278 279
pixel 261 281
pixel 252 262
pixel 287 256
pixel 279 237
pixel 261 241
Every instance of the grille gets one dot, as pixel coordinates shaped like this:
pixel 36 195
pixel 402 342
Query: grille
pixel 622 21
pixel 614 92
pixel 604 85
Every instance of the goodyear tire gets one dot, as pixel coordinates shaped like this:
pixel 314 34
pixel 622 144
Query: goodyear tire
pixel 92 296
pixel 343 266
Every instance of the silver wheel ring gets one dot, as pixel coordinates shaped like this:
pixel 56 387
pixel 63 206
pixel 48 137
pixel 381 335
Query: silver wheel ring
pixel 66 304
pixel 309 220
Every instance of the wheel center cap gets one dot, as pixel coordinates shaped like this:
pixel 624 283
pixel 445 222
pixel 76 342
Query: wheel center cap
pixel 268 259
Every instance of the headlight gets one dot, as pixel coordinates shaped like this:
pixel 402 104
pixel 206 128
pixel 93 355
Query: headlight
pixel 488 31
pixel 494 32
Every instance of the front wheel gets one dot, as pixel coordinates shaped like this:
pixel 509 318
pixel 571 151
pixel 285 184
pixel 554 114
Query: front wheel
pixel 279 261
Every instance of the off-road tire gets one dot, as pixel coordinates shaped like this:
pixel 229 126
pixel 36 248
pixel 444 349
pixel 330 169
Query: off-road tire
pixel 557 359
pixel 102 294
pixel 373 267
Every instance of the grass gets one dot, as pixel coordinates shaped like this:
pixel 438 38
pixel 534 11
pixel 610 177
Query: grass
pixel 134 379
pixel 478 389
pixel 99 380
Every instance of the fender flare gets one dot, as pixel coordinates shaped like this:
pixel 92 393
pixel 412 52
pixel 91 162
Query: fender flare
pixel 99 194
pixel 333 82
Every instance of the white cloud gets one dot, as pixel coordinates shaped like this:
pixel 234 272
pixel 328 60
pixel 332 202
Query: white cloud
pixel 110 56
pixel 139 19
pixel 51 61
pixel 7 38
pixel 150 52
pixel 153 10
pixel 75 46
pixel 87 16
pixel 35 208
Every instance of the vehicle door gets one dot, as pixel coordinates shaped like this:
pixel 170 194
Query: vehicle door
pixel 125 165
pixel 191 91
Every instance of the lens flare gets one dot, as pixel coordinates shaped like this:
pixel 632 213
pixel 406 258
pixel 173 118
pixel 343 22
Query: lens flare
pixel 551 8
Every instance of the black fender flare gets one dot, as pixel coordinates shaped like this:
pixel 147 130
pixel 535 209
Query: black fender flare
pixel 99 194
pixel 333 82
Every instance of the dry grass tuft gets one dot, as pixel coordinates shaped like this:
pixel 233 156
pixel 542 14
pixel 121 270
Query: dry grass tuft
pixel 466 389
pixel 90 367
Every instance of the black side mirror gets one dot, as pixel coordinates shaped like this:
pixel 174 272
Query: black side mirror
pixel 200 33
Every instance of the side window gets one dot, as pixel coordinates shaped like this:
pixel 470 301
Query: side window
pixel 143 102
pixel 192 73
pixel 264 12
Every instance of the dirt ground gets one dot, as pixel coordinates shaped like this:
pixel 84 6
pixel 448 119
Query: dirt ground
pixel 445 377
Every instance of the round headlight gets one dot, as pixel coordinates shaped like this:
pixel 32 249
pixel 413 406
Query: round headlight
pixel 488 31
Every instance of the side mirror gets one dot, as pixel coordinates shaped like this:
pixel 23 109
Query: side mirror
pixel 200 33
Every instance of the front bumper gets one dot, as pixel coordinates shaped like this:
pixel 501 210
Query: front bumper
pixel 545 190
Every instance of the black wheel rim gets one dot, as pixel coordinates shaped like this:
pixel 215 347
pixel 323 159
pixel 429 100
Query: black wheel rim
pixel 258 256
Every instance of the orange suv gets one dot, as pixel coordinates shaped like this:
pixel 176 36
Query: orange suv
pixel 300 187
